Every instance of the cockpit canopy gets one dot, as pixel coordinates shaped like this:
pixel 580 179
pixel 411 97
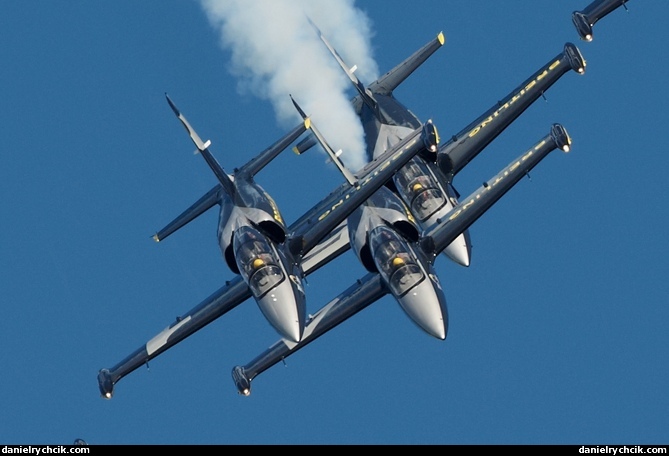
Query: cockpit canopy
pixel 395 260
pixel 419 189
pixel 257 260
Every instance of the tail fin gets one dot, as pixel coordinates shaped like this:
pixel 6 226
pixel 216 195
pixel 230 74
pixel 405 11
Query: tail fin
pixel 202 147
pixel 389 81
pixel 367 96
pixel 384 85
pixel 226 184
pixel 334 156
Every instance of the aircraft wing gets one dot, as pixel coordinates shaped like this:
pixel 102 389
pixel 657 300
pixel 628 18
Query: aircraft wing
pixel 436 239
pixel 441 234
pixel 360 295
pixel 464 146
pixel 217 304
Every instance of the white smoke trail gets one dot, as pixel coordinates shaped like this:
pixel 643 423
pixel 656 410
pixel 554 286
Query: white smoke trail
pixel 276 52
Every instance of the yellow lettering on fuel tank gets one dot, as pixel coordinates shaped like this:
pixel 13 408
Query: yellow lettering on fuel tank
pixel 514 98
pixel 499 178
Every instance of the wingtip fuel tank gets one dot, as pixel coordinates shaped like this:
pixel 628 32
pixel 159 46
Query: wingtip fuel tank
pixel 105 384
pixel 242 382
pixel 585 19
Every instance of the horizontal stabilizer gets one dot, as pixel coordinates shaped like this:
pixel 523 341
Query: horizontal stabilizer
pixel 304 145
pixel 206 202
pixel 265 157
pixel 389 81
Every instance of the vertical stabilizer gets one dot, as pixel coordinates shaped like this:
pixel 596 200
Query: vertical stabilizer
pixel 203 148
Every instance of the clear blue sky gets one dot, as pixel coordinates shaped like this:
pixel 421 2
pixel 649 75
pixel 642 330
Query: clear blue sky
pixel 558 329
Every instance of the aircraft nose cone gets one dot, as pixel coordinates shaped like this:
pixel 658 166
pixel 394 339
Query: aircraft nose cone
pixel 285 311
pixel 426 306
pixel 291 330
pixel 460 250
pixel 435 329
pixel 285 320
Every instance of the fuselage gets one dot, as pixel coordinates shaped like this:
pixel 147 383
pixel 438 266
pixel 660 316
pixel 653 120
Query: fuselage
pixel 250 230
pixel 420 183
pixel 381 232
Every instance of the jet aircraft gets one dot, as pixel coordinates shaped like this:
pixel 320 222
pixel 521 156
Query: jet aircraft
pixel 585 19
pixel 453 156
pixel 460 149
pixel 424 186
pixel 257 246
pixel 392 263
pixel 379 231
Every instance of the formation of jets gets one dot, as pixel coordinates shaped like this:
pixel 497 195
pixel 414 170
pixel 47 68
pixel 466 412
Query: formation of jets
pixel 398 214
